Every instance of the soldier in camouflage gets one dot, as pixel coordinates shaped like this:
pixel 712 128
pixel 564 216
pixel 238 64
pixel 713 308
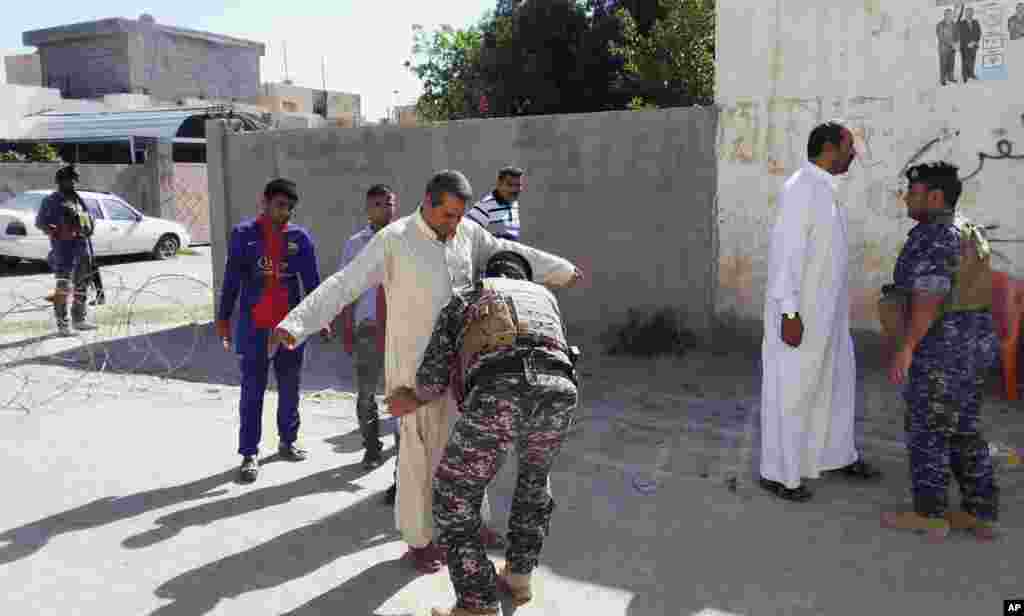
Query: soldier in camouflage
pixel 948 346
pixel 501 345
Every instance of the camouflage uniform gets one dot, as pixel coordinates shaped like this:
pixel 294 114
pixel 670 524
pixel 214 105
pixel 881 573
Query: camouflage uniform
pixel 944 388
pixel 531 410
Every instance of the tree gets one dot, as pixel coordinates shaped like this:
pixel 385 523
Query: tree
pixel 674 62
pixel 448 63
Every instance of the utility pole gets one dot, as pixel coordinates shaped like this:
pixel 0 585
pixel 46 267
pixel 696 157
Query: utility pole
pixel 284 46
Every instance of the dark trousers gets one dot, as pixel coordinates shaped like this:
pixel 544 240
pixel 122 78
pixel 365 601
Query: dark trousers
pixel 968 56
pixel 71 264
pixel 287 370
pixel 368 366
pixel 947 62
pixel 500 413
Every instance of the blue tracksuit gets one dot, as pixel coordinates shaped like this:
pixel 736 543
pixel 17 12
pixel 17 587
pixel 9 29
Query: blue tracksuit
pixel 244 277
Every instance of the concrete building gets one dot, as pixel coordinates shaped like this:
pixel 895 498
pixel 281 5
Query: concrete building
pixel 405 115
pixel 24 70
pixel 783 67
pixel 342 108
pixel 126 56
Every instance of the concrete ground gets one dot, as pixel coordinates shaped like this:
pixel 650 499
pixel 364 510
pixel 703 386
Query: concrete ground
pixel 118 450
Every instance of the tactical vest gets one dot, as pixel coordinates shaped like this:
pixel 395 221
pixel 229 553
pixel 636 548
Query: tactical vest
pixel 514 313
pixel 972 282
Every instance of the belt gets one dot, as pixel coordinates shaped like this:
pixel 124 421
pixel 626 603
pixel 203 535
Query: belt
pixel 514 366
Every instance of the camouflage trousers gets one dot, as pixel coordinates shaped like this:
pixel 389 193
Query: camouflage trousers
pixel 367 367
pixel 500 413
pixel 943 433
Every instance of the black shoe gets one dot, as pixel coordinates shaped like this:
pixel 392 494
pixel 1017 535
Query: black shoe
pixel 797 495
pixel 288 451
pixel 859 470
pixel 372 459
pixel 249 470
pixel 389 496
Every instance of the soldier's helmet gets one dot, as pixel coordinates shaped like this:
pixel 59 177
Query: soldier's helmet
pixel 68 172
pixel 508 264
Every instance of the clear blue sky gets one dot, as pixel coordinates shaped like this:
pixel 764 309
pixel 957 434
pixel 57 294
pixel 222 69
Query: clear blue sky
pixel 365 42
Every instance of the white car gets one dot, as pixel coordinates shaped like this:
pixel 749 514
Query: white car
pixel 120 228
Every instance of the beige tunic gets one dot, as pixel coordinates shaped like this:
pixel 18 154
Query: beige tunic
pixel 419 273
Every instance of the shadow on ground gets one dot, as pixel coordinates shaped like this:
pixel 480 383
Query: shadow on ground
pixel 294 555
pixel 191 353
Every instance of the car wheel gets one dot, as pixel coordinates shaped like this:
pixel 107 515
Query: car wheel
pixel 166 247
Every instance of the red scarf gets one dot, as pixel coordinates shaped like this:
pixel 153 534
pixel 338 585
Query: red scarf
pixel 273 305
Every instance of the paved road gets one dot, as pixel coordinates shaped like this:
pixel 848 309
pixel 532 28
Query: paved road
pixel 120 499
pixel 157 289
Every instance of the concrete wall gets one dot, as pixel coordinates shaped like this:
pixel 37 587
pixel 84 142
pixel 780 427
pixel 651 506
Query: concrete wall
pixel 139 56
pixel 18 101
pixel 89 67
pixel 786 66
pixel 628 196
pixel 171 66
pixel 24 70
pixel 128 181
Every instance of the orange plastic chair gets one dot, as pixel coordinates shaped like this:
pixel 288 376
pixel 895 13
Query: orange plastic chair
pixel 1007 308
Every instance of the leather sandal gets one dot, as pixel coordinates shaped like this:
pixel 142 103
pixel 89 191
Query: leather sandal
pixel 425 559
pixel 798 494
pixel 984 531
pixel 463 611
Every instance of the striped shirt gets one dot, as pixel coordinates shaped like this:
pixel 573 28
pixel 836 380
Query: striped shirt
pixel 501 219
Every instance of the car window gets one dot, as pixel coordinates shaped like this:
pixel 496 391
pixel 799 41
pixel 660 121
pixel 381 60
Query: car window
pixel 93 206
pixel 28 202
pixel 118 211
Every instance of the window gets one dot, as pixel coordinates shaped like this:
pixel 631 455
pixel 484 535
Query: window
pixel 94 208
pixel 25 202
pixel 119 211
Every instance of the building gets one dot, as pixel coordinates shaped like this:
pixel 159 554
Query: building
pixel 24 70
pixel 126 56
pixel 338 108
pixel 406 115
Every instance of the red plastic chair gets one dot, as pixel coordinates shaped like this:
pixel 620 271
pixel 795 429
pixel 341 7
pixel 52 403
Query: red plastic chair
pixel 1007 308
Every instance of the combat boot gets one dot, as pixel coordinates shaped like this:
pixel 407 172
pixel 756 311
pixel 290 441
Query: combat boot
pixel 935 529
pixel 983 530
pixel 516 585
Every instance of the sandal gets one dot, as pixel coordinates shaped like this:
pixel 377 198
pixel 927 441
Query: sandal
pixel 859 470
pixel 935 529
pixel 798 494
pixel 426 559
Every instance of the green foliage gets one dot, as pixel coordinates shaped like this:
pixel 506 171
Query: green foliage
pixel 675 59
pixel 43 153
pixel 568 56
pixel 11 156
pixel 448 65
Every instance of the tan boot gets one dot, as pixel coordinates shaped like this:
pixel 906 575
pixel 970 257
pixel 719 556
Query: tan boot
pixel 936 530
pixel 984 531
pixel 463 611
pixel 516 585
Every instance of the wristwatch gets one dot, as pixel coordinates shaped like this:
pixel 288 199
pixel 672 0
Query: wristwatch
pixel 789 315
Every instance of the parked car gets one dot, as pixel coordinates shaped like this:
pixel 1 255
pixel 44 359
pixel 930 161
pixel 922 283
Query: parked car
pixel 120 228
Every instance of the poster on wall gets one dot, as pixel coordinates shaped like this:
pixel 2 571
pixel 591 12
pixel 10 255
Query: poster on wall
pixel 973 39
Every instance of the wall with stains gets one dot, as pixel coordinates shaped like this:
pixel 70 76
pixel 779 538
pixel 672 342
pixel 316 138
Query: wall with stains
pixel 786 65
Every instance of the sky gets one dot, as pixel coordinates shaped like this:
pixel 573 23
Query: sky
pixel 364 42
